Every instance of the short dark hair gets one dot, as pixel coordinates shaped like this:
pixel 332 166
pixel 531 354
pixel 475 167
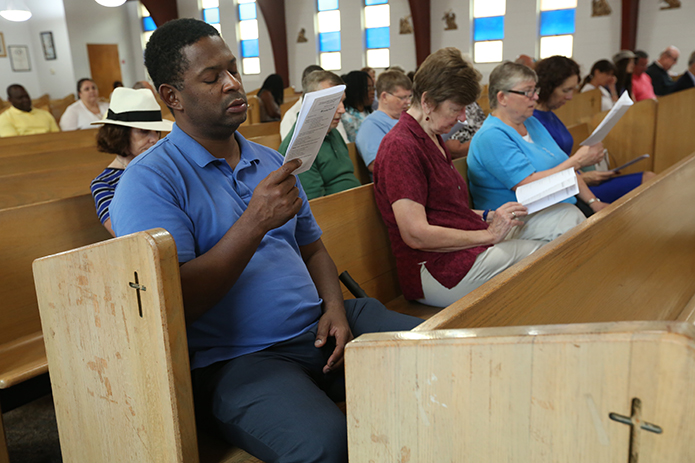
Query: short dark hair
pixel 605 66
pixel 445 75
pixel 357 89
pixel 12 87
pixel 114 139
pixel 552 72
pixel 276 86
pixel 641 54
pixel 163 57
pixel 79 85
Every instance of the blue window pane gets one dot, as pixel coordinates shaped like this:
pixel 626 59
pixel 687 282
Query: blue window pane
pixel 488 28
pixel 375 2
pixel 378 37
pixel 211 15
pixel 558 22
pixel 247 11
pixel 328 5
pixel 148 24
pixel 249 48
pixel 329 41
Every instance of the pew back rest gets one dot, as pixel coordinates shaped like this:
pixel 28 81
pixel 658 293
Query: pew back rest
pixel 636 258
pixel 516 393
pixel 581 108
pixel 257 130
pixel 57 159
pixel 41 143
pixel 675 137
pixel 271 141
pixel 118 355
pixel 361 171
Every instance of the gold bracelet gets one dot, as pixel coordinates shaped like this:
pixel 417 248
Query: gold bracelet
pixel 593 200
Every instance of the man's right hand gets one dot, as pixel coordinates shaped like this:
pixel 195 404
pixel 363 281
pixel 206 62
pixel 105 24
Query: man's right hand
pixel 276 198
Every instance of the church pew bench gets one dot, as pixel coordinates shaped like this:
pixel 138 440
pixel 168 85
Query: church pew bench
pixel 40 143
pixel 55 159
pixel 258 130
pixel 581 108
pixel 361 171
pixel 29 232
pixel 632 261
pixel 271 141
pixel 558 393
pixel 45 185
pixel 675 137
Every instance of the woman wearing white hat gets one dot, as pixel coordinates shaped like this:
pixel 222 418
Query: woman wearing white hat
pixel 132 125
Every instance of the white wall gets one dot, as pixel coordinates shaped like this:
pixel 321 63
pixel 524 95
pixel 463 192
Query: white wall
pixel 18 34
pixel 90 23
pixel 658 29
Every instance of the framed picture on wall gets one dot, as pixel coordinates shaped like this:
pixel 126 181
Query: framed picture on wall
pixel 3 50
pixel 19 57
pixel 49 51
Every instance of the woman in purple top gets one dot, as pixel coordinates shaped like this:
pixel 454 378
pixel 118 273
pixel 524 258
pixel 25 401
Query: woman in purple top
pixel 558 77
pixel 443 248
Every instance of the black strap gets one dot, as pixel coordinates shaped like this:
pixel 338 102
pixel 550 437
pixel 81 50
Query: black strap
pixel 136 116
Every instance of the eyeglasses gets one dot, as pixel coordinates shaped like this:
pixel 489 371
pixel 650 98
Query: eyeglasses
pixel 674 58
pixel 528 94
pixel 402 98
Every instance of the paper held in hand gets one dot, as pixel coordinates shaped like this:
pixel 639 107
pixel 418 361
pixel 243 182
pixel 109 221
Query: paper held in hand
pixel 315 116
pixel 547 191
pixel 619 108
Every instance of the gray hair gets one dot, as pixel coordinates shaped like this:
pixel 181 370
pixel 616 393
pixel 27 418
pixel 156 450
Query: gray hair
pixel 505 76
pixel 313 80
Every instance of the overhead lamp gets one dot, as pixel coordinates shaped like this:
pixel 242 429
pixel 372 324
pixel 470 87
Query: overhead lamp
pixel 110 3
pixel 14 10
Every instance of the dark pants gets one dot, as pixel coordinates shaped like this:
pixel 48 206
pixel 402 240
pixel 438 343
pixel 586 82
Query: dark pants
pixel 277 404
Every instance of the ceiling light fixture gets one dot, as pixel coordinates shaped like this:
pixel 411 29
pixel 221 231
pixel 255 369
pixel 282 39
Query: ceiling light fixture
pixel 14 10
pixel 110 3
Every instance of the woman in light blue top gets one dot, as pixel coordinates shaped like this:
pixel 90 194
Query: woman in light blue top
pixel 512 148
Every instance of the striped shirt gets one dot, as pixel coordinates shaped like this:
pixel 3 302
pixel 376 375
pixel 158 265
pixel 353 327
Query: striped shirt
pixel 103 187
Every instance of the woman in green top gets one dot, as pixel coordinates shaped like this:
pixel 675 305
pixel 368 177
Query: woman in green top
pixel 332 171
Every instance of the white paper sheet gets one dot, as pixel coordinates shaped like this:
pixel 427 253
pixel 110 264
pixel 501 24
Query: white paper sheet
pixel 547 191
pixel 313 121
pixel 619 108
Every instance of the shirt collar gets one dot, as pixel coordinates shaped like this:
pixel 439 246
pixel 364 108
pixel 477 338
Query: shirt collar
pixel 412 125
pixel 692 76
pixel 201 156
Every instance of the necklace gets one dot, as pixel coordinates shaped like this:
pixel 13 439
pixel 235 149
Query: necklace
pixel 124 164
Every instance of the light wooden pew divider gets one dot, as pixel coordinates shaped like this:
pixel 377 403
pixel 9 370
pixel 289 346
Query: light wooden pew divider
pixel 258 130
pixel 49 160
pixel 117 350
pixel 600 393
pixel 32 144
pixel 631 261
pixel 675 137
pixel 581 108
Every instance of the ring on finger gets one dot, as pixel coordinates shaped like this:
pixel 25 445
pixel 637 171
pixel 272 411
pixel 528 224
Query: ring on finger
pixel 514 214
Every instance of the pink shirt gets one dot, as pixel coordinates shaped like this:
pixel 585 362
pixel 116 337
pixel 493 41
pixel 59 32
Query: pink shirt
pixel 409 166
pixel 642 88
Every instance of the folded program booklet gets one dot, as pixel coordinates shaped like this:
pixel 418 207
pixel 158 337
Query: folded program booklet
pixel 547 191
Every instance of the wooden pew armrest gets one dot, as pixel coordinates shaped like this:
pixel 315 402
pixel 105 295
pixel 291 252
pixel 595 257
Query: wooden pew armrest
pixel 22 359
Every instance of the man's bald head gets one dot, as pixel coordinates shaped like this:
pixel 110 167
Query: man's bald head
pixel 18 96
pixel 669 57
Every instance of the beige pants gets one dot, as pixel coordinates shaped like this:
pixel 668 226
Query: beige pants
pixel 539 229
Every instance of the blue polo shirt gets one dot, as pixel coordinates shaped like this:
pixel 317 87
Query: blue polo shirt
pixel 373 129
pixel 179 186
pixel 499 158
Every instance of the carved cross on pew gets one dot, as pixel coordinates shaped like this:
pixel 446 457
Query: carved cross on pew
pixel 636 424
pixel 138 287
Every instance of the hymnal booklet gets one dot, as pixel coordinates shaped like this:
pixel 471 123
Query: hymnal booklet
pixel 547 191
pixel 313 121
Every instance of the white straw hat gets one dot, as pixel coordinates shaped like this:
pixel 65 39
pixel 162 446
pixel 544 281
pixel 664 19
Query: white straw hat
pixel 135 108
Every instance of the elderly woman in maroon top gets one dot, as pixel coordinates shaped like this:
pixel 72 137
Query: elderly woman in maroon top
pixel 444 249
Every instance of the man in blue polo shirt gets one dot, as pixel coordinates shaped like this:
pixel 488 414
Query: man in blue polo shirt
pixel 266 322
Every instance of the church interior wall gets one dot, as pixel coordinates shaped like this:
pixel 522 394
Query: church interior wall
pixel 659 28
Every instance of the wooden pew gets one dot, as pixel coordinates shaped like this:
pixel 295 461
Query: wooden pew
pixel 361 171
pixel 675 137
pixel 45 185
pixel 581 109
pixel 271 141
pixel 524 394
pixel 41 143
pixel 634 135
pixel 29 232
pixel 25 163
pixel 258 130
pixel 631 261
pixel 117 350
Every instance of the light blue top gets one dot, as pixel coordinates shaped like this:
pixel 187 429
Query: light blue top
pixel 499 159
pixel 374 127
pixel 180 186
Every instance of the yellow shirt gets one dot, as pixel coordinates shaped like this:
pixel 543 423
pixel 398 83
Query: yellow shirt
pixel 17 122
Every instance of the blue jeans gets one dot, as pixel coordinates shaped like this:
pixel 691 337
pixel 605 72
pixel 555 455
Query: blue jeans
pixel 277 404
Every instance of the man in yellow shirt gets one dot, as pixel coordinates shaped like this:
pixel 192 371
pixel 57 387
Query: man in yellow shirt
pixel 21 118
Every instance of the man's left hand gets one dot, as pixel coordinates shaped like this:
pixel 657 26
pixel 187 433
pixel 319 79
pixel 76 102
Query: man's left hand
pixel 334 323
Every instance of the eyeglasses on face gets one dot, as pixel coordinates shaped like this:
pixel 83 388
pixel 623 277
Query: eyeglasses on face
pixel 402 98
pixel 528 94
